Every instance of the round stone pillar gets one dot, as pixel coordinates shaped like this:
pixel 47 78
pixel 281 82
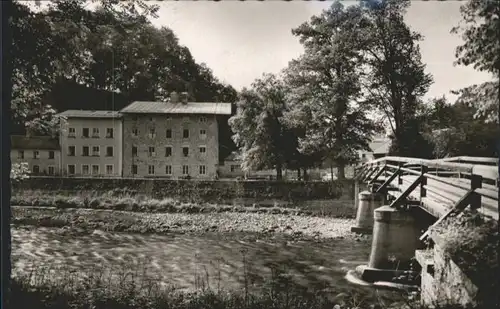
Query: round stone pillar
pixel 368 202
pixel 395 238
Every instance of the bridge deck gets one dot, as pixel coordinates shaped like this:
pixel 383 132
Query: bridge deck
pixel 443 188
pixel 441 197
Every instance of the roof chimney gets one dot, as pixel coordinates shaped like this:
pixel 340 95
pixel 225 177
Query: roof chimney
pixel 174 97
pixel 184 97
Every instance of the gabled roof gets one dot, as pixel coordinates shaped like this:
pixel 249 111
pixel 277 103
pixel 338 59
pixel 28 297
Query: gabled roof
pixel 207 108
pixel 75 113
pixel 382 148
pixel 380 145
pixel 22 142
pixel 233 156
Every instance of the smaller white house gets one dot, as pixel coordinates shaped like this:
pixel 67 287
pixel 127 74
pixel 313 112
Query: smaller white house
pixel 231 167
pixel 379 147
pixel 41 153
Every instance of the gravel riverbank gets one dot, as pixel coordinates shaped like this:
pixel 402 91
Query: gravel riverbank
pixel 227 222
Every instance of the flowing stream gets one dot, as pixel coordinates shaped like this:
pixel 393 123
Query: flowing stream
pixel 185 261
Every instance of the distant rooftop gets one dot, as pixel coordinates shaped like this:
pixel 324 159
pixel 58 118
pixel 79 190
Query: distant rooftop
pixel 380 145
pixel 74 113
pixel 383 148
pixel 207 108
pixel 233 156
pixel 34 142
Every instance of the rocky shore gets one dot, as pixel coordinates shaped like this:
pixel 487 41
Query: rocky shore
pixel 263 224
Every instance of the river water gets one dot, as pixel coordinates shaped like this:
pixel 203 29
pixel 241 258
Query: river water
pixel 189 262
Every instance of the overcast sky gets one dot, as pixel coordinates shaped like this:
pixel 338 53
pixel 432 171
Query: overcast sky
pixel 241 40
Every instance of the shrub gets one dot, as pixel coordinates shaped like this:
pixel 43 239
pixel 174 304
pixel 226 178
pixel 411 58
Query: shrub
pixel 471 241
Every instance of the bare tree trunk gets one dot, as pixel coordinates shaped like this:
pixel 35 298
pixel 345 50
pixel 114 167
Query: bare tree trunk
pixel 341 171
pixel 305 174
pixel 298 174
pixel 279 172
pixel 6 69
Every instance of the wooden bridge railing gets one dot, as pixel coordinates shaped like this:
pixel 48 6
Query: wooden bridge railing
pixel 441 187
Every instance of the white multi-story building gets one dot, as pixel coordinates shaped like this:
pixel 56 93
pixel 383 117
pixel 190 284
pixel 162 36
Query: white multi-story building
pixel 91 143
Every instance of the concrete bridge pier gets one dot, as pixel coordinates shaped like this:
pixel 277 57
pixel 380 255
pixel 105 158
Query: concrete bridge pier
pixel 367 203
pixel 396 235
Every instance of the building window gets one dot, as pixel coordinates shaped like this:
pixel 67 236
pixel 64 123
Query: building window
pixel 135 132
pixel 203 149
pixel 134 118
pixel 185 170
pixel 71 169
pixel 109 169
pixel 134 151
pixel 152 133
pixel 363 155
pixel 168 151
pixel 109 133
pixel 169 133
pixel 203 119
pixel 95 151
pixel 51 154
pixel 151 119
pixel 36 154
pixel 109 151
pixel 85 169
pixel 95 169
pixel 71 132
pixel 185 151
pixel 85 132
pixel 20 154
pixel 151 152
pixel 234 168
pixel 95 132
pixel 85 151
pixel 52 170
pixel 185 133
pixel 185 118
pixel 203 133
pixel 151 169
pixel 36 169
pixel 203 170
pixel 71 151
pixel 134 169
pixel 168 169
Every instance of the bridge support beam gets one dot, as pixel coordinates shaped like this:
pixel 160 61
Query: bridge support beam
pixel 367 203
pixel 395 238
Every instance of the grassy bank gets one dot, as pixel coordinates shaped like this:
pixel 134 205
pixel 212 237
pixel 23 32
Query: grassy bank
pixel 113 200
pixel 124 289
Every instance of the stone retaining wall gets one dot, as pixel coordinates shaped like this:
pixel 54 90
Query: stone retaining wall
pixel 444 283
pixel 194 189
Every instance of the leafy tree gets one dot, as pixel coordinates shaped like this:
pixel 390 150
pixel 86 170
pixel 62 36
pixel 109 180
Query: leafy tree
pixel 113 48
pixel 259 127
pixel 483 97
pixel 325 85
pixel 396 79
pixel 454 130
pixel 481 49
